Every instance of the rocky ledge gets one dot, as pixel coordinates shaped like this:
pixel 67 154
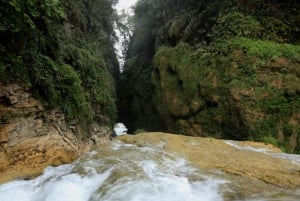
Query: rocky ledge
pixel 32 138
pixel 257 161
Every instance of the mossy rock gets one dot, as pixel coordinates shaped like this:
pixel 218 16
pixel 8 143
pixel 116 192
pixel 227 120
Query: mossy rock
pixel 234 96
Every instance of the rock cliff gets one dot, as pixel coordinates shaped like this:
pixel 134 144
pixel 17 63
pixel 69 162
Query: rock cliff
pixel 32 138
pixel 226 69
pixel 237 96
pixel 57 71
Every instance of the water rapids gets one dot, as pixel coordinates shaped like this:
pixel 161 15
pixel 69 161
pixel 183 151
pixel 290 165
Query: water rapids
pixel 123 172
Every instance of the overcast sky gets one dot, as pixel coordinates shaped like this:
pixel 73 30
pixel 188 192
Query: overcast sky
pixel 125 4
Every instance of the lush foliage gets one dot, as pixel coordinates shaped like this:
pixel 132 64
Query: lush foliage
pixel 263 49
pixel 222 68
pixel 63 50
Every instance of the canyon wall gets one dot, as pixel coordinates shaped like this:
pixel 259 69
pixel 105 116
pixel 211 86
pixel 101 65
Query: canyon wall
pixel 57 80
pixel 226 69
pixel 32 138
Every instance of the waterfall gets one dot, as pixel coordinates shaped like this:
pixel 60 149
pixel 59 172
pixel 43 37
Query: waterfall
pixel 118 172
pixel 124 172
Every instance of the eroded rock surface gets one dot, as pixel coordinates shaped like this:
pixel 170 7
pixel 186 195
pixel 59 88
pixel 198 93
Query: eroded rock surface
pixel 32 138
pixel 212 154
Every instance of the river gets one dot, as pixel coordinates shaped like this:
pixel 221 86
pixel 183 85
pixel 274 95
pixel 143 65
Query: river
pixel 125 172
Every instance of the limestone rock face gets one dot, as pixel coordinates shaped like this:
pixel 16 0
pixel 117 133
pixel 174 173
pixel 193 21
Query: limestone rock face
pixel 32 138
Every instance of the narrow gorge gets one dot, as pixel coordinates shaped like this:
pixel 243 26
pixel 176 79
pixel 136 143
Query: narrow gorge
pixel 225 69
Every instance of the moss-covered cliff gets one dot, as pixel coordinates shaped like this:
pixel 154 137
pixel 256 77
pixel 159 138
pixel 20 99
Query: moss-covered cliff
pixel 227 69
pixel 57 88
pixel 63 51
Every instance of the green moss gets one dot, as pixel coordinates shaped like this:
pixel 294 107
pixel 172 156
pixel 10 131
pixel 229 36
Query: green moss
pixel 63 51
pixel 266 130
pixel 270 140
pixel 264 49
pixel 275 105
pixel 232 57
pixel 275 29
pixel 297 150
pixel 186 74
pixel 236 24
pixel 95 77
pixel 177 65
pixel 176 29
pixel 277 102
pixel 59 85
pixel 287 129
pixel 206 119
pixel 177 78
pixel 266 127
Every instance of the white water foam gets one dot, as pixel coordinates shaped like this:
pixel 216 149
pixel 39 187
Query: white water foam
pixel 294 158
pixel 55 184
pixel 247 148
pixel 131 174
pixel 125 172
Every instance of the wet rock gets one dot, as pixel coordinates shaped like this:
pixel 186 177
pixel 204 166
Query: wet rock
pixel 252 160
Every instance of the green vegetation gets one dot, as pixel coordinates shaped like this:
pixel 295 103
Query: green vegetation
pixel 217 68
pixel 263 49
pixel 137 131
pixel 177 62
pixel 62 50
pixel 236 24
pixel 58 85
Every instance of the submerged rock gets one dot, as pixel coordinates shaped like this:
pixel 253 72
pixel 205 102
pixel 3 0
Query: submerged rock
pixel 252 160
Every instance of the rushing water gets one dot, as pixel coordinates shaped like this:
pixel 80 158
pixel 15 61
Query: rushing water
pixel 122 172
pixel 294 158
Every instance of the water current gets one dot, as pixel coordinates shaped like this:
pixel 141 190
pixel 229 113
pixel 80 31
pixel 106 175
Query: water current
pixel 123 172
